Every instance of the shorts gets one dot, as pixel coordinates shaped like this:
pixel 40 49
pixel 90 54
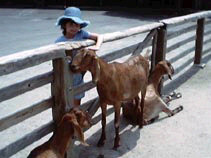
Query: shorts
pixel 78 80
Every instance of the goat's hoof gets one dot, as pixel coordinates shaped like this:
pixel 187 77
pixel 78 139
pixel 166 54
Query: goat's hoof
pixel 116 147
pixel 141 126
pixel 101 143
pixel 145 122
pixel 140 123
pixel 179 95
pixel 170 115
pixel 169 96
pixel 181 108
pixel 172 94
pixel 116 143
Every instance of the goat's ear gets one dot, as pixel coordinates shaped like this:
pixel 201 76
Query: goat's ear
pixel 78 132
pixel 96 71
pixel 170 70
pixel 170 73
pixel 85 53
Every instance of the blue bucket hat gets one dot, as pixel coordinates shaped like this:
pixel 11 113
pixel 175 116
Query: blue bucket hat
pixel 74 14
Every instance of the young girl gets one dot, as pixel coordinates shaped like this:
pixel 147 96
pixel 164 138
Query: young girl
pixel 72 28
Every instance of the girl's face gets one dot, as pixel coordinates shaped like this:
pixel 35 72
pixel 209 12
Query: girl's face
pixel 72 29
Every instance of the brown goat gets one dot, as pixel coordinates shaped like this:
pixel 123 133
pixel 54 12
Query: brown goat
pixel 116 82
pixel 153 103
pixel 71 124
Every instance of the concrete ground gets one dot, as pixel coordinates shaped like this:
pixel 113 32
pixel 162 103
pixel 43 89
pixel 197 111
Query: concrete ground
pixel 187 134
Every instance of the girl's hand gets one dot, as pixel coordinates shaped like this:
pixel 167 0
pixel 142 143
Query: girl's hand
pixel 93 48
pixel 98 39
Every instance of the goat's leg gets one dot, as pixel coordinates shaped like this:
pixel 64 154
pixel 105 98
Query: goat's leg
pixel 178 109
pixel 102 139
pixel 147 122
pixel 172 112
pixel 164 108
pixel 142 112
pixel 141 118
pixel 137 103
pixel 167 111
pixel 117 107
pixel 172 96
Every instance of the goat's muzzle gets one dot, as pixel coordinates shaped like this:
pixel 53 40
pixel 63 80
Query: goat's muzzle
pixel 74 68
pixel 89 118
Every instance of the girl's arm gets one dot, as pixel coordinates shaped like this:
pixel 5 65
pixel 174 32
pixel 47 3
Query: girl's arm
pixel 99 40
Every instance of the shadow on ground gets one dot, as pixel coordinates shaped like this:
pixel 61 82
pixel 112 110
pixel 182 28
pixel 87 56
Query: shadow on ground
pixel 127 132
pixel 174 84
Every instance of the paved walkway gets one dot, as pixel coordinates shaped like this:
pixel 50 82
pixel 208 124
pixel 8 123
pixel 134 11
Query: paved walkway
pixel 187 134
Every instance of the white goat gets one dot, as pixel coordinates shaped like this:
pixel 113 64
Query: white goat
pixel 153 103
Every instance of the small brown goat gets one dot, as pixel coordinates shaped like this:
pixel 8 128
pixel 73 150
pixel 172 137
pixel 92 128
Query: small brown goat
pixel 116 82
pixel 153 104
pixel 71 124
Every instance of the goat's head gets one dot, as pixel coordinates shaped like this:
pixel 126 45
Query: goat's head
pixel 85 60
pixel 167 68
pixel 82 117
pixel 77 119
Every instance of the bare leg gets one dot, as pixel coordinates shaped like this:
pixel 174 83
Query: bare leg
pixel 116 124
pixel 101 142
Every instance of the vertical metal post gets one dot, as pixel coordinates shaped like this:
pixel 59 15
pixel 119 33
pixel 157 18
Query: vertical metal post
pixel 161 49
pixel 199 41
